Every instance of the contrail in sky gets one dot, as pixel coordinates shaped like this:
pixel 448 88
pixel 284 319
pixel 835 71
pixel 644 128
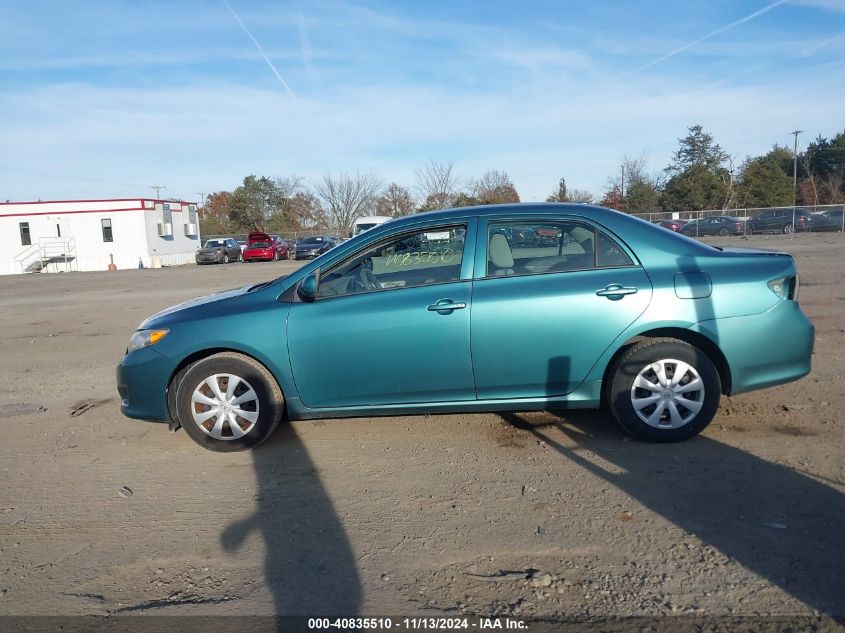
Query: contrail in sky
pixel 727 27
pixel 260 50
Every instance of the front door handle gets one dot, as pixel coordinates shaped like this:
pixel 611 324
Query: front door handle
pixel 614 292
pixel 445 306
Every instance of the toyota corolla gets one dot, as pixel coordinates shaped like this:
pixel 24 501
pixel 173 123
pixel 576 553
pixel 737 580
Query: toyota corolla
pixel 447 311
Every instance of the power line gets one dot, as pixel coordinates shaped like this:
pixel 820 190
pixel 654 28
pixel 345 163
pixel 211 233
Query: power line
pixel 158 189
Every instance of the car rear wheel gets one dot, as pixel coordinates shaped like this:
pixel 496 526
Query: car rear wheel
pixel 787 228
pixel 228 402
pixel 723 231
pixel 663 390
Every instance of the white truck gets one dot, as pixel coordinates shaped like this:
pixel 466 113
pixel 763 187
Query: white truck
pixel 367 222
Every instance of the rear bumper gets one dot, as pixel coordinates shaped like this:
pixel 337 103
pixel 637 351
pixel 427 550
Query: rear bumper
pixel 766 349
pixel 142 378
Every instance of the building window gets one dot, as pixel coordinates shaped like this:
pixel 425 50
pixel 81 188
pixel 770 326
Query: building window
pixel 26 240
pixel 107 234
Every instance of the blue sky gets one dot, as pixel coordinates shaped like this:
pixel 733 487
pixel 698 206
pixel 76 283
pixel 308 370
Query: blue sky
pixel 104 99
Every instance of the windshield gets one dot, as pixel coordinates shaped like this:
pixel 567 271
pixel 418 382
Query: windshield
pixel 214 244
pixel 313 240
pixel 260 245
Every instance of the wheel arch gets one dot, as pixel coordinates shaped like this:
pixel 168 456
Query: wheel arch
pixel 180 370
pixel 695 339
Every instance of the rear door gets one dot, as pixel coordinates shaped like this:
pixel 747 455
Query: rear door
pixel 540 324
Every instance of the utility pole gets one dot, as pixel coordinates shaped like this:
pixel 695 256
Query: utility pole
pixel 622 193
pixel 794 133
pixel 202 199
pixel 158 189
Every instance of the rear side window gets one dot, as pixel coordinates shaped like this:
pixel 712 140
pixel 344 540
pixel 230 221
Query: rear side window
pixel 520 248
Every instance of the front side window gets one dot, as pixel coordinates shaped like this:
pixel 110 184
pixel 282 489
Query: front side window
pixel 520 248
pixel 107 234
pixel 422 258
pixel 26 238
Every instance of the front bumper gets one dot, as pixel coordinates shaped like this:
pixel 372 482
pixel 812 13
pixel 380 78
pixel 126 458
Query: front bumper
pixel 257 256
pixel 142 379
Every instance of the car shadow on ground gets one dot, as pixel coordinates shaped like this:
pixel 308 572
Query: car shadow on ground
pixel 309 564
pixel 780 524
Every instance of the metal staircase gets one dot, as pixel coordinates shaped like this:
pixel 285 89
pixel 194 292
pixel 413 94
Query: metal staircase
pixel 56 251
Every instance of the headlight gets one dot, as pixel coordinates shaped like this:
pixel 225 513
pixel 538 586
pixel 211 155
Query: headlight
pixel 145 338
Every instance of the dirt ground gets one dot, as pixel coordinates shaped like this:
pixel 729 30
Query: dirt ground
pixel 540 516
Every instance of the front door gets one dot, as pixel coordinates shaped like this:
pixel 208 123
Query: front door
pixel 554 296
pixel 390 325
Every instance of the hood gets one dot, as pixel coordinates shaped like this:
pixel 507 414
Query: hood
pixel 193 307
pixel 209 250
pixel 258 236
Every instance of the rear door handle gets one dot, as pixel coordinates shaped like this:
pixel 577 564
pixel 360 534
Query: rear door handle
pixel 614 292
pixel 445 306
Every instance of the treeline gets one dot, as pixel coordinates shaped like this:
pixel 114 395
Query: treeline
pixel 701 175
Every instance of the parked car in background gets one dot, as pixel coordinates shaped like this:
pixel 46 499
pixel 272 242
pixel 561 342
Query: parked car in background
pixel 672 225
pixel 780 221
pixel 828 220
pixel 262 247
pixel 618 312
pixel 291 248
pixel 716 225
pixel 313 246
pixel 220 250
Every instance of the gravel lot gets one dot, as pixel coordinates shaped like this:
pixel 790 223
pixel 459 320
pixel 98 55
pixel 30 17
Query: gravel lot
pixel 539 515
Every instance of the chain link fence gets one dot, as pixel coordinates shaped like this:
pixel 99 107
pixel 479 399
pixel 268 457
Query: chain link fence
pixel 824 218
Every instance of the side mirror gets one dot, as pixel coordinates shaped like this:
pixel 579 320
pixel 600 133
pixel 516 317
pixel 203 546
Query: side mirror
pixel 309 286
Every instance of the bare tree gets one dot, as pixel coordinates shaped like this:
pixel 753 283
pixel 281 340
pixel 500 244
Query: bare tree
pixel 346 197
pixel 437 185
pixel 494 187
pixel 832 187
pixel 395 201
pixel 580 195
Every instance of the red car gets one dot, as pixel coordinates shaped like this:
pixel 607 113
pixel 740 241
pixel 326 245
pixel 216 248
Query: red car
pixel 263 247
pixel 672 225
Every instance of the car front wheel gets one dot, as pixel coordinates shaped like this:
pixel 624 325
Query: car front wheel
pixel 663 390
pixel 228 402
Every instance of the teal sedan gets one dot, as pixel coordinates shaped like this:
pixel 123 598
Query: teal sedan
pixel 494 308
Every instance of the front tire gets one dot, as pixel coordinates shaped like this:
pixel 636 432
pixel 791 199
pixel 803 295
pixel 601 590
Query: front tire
pixel 663 390
pixel 228 402
pixel 226 258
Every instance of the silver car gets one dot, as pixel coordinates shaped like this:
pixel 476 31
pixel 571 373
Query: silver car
pixel 221 250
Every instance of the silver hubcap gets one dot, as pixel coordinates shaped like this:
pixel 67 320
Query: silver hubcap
pixel 225 406
pixel 667 394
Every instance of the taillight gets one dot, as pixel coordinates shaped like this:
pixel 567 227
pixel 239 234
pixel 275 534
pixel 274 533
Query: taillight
pixel 785 287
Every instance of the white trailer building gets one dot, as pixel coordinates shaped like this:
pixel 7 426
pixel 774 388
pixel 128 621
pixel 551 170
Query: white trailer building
pixel 65 235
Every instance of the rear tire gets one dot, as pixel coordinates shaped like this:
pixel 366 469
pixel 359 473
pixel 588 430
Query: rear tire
pixel 787 229
pixel 723 231
pixel 645 402
pixel 246 414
